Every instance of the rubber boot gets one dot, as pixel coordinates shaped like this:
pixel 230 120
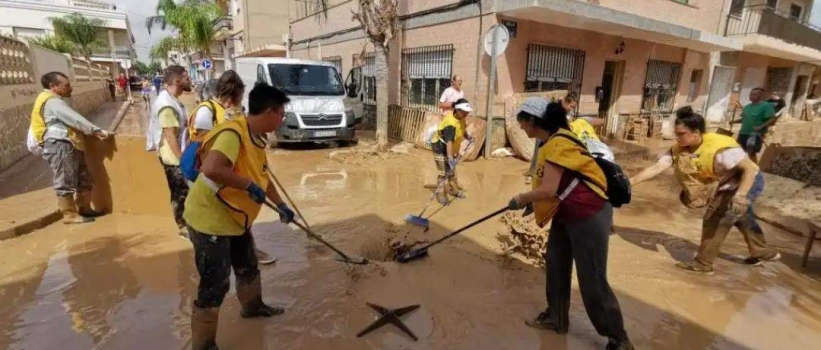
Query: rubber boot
pixel 441 195
pixel 68 208
pixel 455 190
pixel 250 297
pixel 204 328
pixel 84 205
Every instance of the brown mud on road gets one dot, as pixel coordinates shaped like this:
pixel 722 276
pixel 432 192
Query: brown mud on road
pixel 127 281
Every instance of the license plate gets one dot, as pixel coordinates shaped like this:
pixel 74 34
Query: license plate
pixel 325 133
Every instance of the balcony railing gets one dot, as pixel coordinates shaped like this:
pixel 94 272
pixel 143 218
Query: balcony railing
pixel 763 20
pixel 96 5
pixel 119 52
pixel 223 23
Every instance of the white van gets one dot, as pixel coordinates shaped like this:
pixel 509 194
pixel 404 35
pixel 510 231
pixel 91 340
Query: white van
pixel 319 109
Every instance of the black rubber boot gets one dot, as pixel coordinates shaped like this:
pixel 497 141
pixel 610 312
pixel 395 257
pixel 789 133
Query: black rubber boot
pixel 250 297
pixel 204 328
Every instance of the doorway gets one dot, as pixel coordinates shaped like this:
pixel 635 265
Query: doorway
pixel 608 93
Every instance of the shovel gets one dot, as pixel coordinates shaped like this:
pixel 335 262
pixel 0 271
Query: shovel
pixel 423 251
pixel 342 256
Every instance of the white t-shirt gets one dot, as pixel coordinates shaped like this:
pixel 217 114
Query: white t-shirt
pixel 204 120
pixel 724 161
pixel 450 95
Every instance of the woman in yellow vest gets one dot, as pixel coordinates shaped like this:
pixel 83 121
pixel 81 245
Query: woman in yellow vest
pixel 715 172
pixel 224 106
pixel 222 205
pixel 446 143
pixel 569 191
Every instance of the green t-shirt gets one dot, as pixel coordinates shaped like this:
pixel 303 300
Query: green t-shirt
pixel 756 114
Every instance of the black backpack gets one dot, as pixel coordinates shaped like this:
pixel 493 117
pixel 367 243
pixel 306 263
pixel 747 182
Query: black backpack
pixel 618 185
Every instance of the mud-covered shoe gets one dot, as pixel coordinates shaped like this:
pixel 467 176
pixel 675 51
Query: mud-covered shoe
pixel 260 309
pixel 695 266
pixel 614 345
pixel 755 261
pixel 442 198
pixel 544 322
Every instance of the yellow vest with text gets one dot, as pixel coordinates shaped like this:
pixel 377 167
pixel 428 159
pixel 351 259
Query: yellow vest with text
pixel 219 116
pixel 250 164
pixel 450 120
pixel 38 121
pixel 570 156
pixel 583 129
pixel 696 171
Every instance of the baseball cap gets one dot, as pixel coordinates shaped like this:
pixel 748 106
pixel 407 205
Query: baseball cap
pixel 462 105
pixel 535 106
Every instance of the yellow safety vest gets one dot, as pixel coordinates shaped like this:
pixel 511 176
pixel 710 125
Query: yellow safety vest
pixel 450 120
pixel 570 156
pixel 250 163
pixel 696 171
pixel 219 116
pixel 583 130
pixel 38 121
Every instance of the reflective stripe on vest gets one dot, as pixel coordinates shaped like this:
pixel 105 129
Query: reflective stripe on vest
pixel 250 163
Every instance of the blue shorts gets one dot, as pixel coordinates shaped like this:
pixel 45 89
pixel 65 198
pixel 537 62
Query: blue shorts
pixel 755 148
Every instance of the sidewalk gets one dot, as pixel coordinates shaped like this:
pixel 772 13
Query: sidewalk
pixel 26 199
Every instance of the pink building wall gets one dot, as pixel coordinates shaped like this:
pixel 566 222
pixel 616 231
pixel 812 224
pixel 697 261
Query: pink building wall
pixel 704 15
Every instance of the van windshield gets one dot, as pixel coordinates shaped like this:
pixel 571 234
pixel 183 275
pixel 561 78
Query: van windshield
pixel 306 79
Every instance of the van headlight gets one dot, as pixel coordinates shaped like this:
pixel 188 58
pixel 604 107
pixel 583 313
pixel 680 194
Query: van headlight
pixel 290 119
pixel 350 117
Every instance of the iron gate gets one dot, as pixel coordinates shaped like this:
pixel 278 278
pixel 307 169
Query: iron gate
pixel 426 73
pixel 554 68
pixel 660 85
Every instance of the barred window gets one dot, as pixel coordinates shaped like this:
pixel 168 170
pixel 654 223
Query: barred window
pixel 553 68
pixel 660 85
pixel 426 73
pixel 336 61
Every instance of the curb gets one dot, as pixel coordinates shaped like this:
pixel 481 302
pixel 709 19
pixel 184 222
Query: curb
pixel 28 226
pixel 120 114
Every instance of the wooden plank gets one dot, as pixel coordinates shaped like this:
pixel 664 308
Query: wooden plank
pixel 523 145
pixel 431 119
pixel 476 129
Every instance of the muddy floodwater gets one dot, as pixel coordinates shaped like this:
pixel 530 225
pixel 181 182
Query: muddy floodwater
pixel 127 281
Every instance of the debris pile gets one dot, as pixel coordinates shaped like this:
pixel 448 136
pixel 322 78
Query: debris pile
pixel 520 235
pixel 366 154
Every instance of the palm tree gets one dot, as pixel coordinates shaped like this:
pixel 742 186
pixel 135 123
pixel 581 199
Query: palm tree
pixel 54 43
pixel 193 21
pixel 81 31
pixel 380 21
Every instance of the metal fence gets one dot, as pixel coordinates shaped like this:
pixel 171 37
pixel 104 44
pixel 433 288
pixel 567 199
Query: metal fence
pixel 764 20
pixel 426 73
pixel 660 85
pixel 554 68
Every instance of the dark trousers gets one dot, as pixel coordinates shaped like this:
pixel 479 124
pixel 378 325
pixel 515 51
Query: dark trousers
pixel 586 243
pixel 179 191
pixel 215 256
pixel 69 166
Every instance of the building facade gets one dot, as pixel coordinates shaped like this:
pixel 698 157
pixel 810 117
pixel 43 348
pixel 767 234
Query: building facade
pixel 32 18
pixel 621 57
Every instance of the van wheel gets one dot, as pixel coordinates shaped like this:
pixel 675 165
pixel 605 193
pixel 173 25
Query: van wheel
pixel 272 140
pixel 348 143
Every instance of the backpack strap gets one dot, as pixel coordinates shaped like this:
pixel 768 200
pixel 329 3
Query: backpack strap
pixel 584 152
pixel 213 112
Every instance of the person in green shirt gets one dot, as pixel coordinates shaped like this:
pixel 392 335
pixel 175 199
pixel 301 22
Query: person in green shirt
pixel 756 117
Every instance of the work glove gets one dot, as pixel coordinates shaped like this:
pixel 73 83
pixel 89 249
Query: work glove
pixel 452 163
pixel 514 204
pixel 255 192
pixel 739 206
pixel 286 215
pixel 528 209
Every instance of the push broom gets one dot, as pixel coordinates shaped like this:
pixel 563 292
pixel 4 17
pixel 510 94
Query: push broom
pixel 419 220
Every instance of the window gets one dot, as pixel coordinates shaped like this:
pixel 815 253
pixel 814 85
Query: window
pixel 772 4
pixel 368 64
pixel 27 33
pixel 795 11
pixel 737 8
pixel 336 61
pixel 660 86
pixel 553 68
pixel 426 73
pixel 695 85
pixel 306 79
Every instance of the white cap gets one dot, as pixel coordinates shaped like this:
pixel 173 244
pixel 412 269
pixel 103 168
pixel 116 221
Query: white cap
pixel 464 106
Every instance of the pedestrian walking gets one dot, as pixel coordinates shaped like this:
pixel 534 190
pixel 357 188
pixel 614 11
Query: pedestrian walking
pixel 224 201
pixel 714 171
pixel 146 91
pixel 168 135
pixel 157 83
pixel 122 83
pixel 57 133
pixel 756 118
pixel 569 191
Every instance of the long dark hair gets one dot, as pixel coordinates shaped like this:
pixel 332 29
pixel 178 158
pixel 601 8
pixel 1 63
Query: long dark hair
pixel 230 86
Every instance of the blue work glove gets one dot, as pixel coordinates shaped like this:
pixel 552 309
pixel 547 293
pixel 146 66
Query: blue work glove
pixel 514 204
pixel 255 192
pixel 452 164
pixel 286 215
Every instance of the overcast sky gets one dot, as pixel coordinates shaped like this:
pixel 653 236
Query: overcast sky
pixel 138 10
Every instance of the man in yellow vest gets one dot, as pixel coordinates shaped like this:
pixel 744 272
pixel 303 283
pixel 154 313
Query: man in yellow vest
pixel 169 134
pixel 446 144
pixel 222 205
pixel 57 132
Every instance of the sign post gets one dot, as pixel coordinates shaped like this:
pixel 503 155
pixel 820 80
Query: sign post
pixel 495 44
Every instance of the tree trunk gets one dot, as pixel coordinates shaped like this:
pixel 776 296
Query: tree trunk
pixel 381 67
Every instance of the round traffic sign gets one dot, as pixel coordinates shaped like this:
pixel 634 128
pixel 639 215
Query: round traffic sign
pixel 206 64
pixel 502 39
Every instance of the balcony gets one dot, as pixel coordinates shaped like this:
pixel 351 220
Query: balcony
pixel 94 5
pixel 223 27
pixel 759 20
pixel 120 52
